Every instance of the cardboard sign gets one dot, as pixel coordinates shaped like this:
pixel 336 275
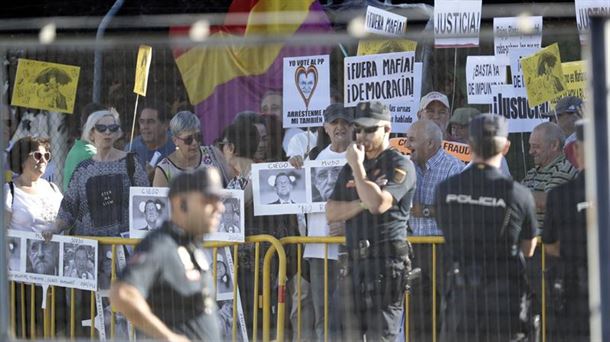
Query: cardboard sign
pixel 46 86
pixel 507 36
pixel 543 75
pixel 482 72
pixel 373 47
pixel 586 8
pixel 384 23
pixel 142 68
pixel 306 90
pixel 459 150
pixel 404 114
pixel 457 23
pixel 384 77
pixel 508 102
pixel 515 55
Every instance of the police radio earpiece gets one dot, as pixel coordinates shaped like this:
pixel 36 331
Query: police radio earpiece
pixel 183 205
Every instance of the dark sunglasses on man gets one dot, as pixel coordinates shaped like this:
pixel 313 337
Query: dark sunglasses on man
pixel 39 155
pixel 113 128
pixel 367 130
pixel 189 139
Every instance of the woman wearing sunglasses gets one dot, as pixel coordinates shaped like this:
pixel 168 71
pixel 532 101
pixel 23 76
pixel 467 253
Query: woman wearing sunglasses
pixel 31 202
pixel 97 200
pixel 189 155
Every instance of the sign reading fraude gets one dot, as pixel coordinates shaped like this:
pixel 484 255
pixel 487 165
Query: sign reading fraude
pixel 388 76
pixel 456 149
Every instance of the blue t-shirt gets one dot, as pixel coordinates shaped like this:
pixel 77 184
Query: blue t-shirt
pixel 145 155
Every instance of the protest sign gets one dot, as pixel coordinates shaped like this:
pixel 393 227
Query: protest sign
pixel 508 36
pixel 404 114
pixel 515 56
pixel 457 23
pixel 373 47
pixel 232 221
pixel 278 188
pixel 322 175
pixel 459 150
pixel 63 261
pixel 543 75
pixel 44 85
pixel 142 68
pixel 383 77
pixel 482 72
pixel 148 209
pixel 384 23
pixel 515 108
pixel 306 90
pixel 575 76
pixel 585 9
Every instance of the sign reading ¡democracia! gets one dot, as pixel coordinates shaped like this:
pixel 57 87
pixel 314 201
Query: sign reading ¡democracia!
pixel 384 23
pixel 457 23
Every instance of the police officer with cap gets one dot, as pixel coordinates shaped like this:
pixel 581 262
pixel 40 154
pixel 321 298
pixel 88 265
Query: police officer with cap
pixel 488 222
pixel 166 289
pixel 373 194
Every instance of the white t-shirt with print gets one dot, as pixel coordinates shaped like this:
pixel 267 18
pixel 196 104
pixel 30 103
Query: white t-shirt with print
pixel 33 213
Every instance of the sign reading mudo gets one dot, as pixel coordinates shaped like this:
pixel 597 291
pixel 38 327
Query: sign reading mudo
pixel 508 35
pixel 482 72
pixel 384 77
pixel 384 23
pixel 457 23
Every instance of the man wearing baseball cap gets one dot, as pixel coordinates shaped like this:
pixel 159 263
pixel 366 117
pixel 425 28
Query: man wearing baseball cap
pixel 488 222
pixel 166 290
pixel 458 123
pixel 373 194
pixel 435 106
pixel 567 111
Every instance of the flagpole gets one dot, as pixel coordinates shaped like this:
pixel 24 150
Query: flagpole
pixel 133 125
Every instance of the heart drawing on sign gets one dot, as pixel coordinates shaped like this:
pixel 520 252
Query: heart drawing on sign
pixel 306 81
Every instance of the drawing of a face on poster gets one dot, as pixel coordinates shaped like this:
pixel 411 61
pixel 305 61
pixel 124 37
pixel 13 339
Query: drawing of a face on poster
pixel 230 217
pixel 306 83
pixel 323 179
pixel 43 257
pixel 79 261
pixel 14 253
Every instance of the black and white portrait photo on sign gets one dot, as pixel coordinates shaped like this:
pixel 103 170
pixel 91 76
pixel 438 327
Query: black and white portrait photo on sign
pixel 148 208
pixel 103 321
pixel 105 265
pixel 278 189
pixel 63 261
pixel 224 271
pixel 323 175
pixel 231 226
pixel 225 319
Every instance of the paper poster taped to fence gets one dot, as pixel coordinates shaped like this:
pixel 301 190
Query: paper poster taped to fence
pixel 586 8
pixel 383 22
pixel 232 221
pixel 404 114
pixel 374 47
pixel 515 33
pixel 306 90
pixel 45 85
pixel 459 150
pixel 142 69
pixel 543 75
pixel 148 209
pixel 518 80
pixel 457 23
pixel 515 107
pixel 383 77
pixel 483 72
pixel 63 261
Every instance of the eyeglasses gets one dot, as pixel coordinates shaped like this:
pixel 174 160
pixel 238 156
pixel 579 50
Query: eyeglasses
pixel 102 128
pixel 367 130
pixel 39 155
pixel 193 137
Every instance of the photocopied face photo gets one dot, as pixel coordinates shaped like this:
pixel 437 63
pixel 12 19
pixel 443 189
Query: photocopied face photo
pixel 224 271
pixel 323 180
pixel 230 220
pixel 14 253
pixel 282 186
pixel 79 261
pixel 150 212
pixel 42 257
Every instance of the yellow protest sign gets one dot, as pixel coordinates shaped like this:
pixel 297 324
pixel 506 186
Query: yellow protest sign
pixel 543 75
pixel 45 85
pixel 459 150
pixel 142 68
pixel 373 47
pixel 575 76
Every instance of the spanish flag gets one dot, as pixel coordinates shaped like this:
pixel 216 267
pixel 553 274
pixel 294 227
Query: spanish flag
pixel 224 80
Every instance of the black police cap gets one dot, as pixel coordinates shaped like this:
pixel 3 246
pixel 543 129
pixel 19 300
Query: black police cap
pixel 486 126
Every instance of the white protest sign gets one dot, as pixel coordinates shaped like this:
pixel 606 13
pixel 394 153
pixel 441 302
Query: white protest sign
pixel 482 72
pixel 404 114
pixel 384 23
pixel 306 90
pixel 508 35
pixel 384 77
pixel 515 56
pixel 457 23
pixel 585 9
pixel 516 109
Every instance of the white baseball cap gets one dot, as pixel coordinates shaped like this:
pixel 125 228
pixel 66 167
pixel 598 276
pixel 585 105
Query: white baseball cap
pixel 433 96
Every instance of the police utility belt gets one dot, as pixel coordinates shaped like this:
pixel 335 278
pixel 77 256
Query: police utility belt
pixel 387 249
pixel 422 210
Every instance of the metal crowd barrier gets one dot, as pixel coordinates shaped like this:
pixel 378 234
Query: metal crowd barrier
pixel 49 313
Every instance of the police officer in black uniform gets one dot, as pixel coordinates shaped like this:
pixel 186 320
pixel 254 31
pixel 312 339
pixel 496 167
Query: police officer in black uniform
pixel 565 236
pixel 488 222
pixel 167 290
pixel 373 195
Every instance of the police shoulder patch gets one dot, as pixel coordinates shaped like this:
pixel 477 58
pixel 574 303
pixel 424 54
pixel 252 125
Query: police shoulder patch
pixel 399 175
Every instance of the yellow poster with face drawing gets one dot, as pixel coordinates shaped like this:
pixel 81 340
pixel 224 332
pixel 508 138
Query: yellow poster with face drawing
pixel 142 69
pixel 45 85
pixel 543 75
pixel 575 75
pixel 373 47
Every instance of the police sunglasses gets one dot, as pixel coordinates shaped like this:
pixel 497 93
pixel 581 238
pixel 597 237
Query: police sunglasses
pixel 189 140
pixel 39 155
pixel 113 128
pixel 367 130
